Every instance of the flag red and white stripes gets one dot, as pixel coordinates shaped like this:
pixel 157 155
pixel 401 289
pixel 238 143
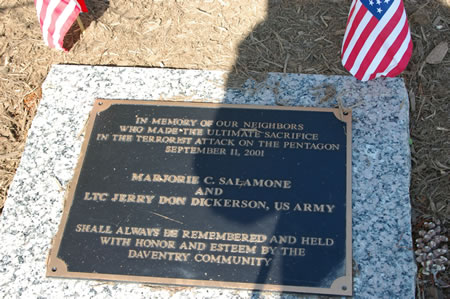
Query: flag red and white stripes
pixel 56 17
pixel 377 40
pixel 83 5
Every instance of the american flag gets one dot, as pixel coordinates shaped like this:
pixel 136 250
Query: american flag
pixel 377 40
pixel 56 17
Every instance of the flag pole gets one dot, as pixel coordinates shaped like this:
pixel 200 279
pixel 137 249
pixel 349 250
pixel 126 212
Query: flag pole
pixel 80 23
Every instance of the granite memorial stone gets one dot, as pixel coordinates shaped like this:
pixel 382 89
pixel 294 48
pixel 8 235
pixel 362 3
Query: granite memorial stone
pixel 383 261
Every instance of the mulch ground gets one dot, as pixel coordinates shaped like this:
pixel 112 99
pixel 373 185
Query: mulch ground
pixel 250 38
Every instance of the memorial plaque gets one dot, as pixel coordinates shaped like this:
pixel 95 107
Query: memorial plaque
pixel 236 196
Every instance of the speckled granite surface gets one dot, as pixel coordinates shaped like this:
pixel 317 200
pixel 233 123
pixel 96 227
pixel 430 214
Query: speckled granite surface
pixel 383 260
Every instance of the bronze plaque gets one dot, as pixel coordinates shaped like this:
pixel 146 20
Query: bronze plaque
pixel 236 196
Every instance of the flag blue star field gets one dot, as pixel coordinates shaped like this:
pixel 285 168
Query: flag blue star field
pixel 377 41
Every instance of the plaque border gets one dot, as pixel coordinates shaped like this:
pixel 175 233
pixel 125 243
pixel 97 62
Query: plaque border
pixel 57 268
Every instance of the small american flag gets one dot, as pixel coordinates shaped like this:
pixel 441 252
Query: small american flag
pixel 377 40
pixel 56 17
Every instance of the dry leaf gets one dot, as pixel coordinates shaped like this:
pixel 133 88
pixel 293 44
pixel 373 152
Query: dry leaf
pixel 437 54
pixel 412 100
pixel 31 99
pixel 420 17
